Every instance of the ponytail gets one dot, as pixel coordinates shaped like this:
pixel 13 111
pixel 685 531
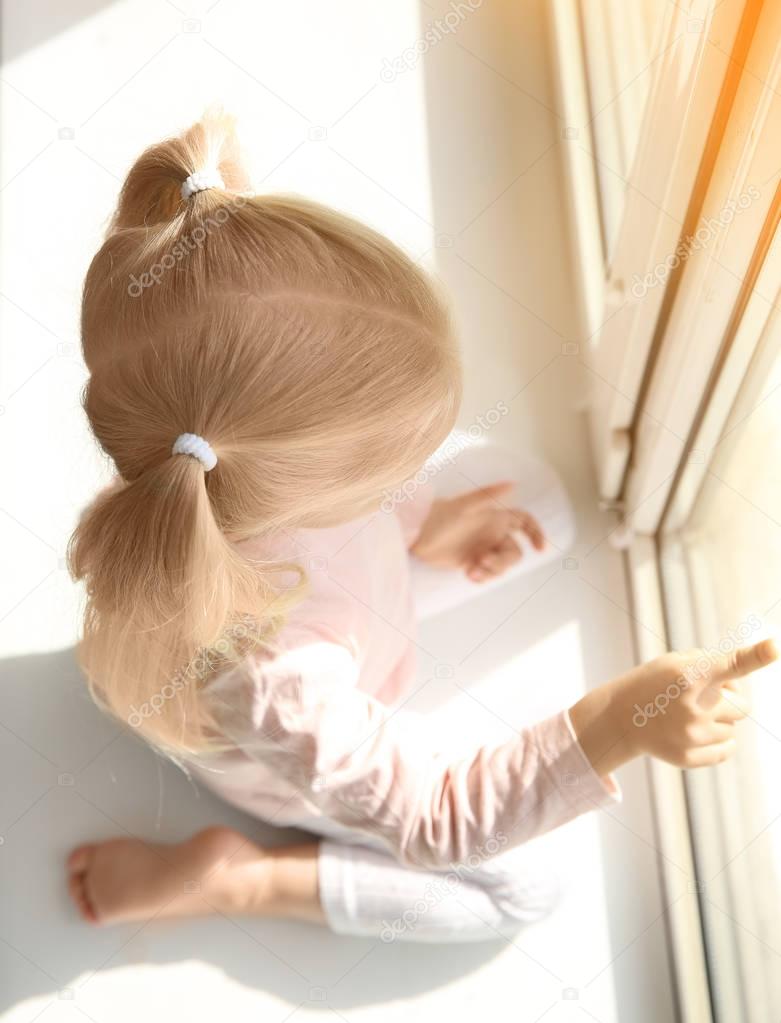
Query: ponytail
pixel 168 600
pixel 315 357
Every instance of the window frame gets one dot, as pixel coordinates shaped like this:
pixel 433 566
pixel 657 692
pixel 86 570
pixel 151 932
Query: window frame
pixel 707 349
pixel 692 58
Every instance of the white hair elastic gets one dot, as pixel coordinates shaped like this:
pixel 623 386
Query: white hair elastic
pixel 200 181
pixel 192 444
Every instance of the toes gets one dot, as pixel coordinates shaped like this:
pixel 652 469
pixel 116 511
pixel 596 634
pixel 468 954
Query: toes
pixel 79 895
pixel 79 859
pixel 76 891
pixel 78 864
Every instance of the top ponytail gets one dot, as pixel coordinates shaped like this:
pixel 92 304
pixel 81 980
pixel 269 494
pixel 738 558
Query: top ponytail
pixel 151 193
pixel 315 358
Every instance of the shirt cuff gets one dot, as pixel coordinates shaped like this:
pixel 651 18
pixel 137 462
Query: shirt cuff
pixel 570 768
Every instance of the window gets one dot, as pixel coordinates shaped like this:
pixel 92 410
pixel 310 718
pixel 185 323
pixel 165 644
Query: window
pixel 722 579
pixel 621 43
pixel 683 341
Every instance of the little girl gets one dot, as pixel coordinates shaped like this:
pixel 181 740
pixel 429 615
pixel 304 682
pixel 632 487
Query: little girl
pixel 268 376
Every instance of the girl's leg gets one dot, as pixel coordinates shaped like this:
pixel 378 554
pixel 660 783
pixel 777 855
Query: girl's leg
pixel 355 889
pixel 366 892
pixel 218 870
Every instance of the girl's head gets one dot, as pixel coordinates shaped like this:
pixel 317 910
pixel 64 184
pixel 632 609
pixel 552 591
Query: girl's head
pixel 316 359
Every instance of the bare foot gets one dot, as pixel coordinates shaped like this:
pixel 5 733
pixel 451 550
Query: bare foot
pixel 217 870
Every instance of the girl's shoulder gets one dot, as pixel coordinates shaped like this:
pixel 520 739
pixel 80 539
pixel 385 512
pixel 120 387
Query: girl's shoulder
pixel 299 654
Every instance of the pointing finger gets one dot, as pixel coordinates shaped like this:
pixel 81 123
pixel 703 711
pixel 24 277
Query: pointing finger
pixel 743 661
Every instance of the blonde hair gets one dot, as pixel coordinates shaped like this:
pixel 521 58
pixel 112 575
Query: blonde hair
pixel 314 356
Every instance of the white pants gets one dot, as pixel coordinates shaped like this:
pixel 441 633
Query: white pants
pixel 364 890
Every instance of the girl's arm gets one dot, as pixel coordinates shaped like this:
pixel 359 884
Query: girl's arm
pixel 681 707
pixel 364 765
pixel 370 768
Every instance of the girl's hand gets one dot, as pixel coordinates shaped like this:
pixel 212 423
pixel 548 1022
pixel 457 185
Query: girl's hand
pixel 680 707
pixel 475 532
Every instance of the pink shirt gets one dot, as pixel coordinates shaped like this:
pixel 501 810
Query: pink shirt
pixel 315 733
